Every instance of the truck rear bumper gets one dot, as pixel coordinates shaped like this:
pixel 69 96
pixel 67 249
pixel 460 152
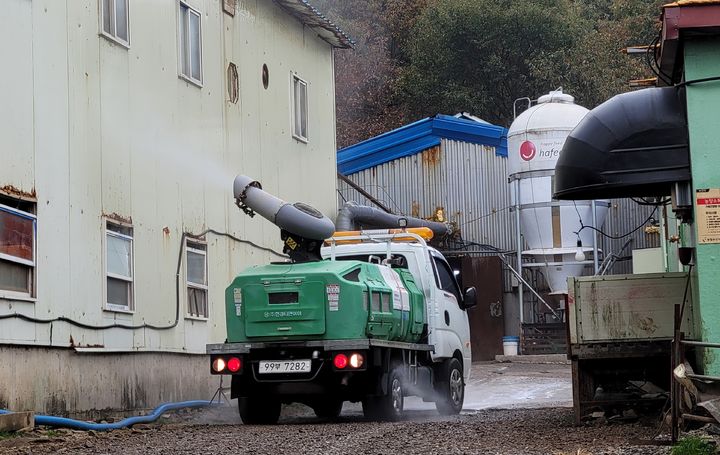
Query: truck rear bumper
pixel 325 378
pixel 327 345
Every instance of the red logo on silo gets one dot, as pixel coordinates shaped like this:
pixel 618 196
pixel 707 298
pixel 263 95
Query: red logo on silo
pixel 527 150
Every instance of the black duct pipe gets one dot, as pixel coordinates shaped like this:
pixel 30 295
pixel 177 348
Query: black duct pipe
pixel 353 217
pixel 633 145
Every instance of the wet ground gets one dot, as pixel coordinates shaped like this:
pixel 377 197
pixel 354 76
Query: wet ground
pixel 509 409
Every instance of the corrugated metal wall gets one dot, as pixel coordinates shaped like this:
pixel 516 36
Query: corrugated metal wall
pixel 469 181
pixel 623 216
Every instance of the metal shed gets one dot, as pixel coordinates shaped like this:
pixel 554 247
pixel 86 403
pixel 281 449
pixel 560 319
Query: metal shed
pixel 443 168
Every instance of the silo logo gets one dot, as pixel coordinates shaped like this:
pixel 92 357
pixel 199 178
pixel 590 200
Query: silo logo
pixel 527 150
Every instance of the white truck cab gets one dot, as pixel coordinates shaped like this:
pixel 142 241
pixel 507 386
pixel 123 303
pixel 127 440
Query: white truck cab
pixel 446 304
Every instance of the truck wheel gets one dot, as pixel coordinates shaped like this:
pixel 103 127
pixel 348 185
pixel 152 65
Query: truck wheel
pixel 329 409
pixel 387 407
pixel 257 411
pixel 450 387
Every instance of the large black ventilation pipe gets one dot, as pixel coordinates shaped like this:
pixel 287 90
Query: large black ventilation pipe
pixel 634 144
pixel 303 228
pixel 354 217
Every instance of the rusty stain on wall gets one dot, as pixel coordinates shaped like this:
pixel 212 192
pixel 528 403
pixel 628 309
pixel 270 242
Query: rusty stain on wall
pixel 12 191
pixel 593 305
pixel 118 218
pixel 613 321
pixel 646 324
pixel 415 209
pixel 431 156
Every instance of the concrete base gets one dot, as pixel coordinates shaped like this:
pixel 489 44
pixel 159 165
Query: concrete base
pixel 543 358
pixel 17 421
pixel 89 386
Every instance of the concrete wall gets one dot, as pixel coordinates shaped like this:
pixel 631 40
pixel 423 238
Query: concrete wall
pixel 63 382
pixel 94 129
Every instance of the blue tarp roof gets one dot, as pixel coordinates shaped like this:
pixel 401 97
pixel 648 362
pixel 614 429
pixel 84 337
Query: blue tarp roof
pixel 416 137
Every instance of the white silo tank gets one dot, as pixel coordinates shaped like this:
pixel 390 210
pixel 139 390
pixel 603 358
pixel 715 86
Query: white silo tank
pixel 535 140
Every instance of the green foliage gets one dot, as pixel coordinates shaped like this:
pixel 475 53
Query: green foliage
pixel 7 435
pixel 693 445
pixel 478 55
pixel 417 58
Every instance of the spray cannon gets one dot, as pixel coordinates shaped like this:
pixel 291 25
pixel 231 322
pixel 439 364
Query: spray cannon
pixel 302 228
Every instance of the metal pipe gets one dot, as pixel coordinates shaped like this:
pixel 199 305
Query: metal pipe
pixel 518 237
pixel 664 237
pixel 596 265
pixel 701 344
pixel 352 217
pixel 522 281
pixel 362 191
pixel 703 377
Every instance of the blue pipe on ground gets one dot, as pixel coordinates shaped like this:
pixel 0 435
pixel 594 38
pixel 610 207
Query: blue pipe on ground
pixel 63 422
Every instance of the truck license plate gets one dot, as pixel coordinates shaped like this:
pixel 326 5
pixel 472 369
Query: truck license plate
pixel 284 366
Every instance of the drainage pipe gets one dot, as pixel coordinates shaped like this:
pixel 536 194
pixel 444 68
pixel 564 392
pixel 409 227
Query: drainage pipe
pixel 63 422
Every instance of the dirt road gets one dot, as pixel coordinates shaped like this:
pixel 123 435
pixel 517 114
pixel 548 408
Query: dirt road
pixel 510 409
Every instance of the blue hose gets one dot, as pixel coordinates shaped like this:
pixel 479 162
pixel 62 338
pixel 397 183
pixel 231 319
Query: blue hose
pixel 63 422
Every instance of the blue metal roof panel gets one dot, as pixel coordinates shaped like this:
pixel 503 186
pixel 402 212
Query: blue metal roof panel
pixel 416 137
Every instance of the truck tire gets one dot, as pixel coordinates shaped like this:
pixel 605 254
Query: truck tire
pixel 450 387
pixel 387 407
pixel 258 411
pixel 329 409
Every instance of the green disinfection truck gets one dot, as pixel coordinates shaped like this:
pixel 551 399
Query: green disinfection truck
pixel 363 316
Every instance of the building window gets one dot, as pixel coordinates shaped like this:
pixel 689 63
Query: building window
pixel 115 21
pixel 300 109
pixel 196 277
pixel 190 44
pixel 119 267
pixel 18 231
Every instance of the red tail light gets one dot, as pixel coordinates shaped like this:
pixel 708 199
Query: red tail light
pixel 340 361
pixel 234 364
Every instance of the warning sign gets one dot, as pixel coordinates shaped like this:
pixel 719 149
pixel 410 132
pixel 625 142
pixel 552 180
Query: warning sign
pixel 707 202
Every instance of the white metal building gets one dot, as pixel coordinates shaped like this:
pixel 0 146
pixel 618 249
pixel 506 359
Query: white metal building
pixel 122 125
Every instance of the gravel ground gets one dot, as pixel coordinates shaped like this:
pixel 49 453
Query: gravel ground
pixel 520 428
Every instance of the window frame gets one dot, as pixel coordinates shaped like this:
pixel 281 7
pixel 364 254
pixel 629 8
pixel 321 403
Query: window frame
pixel 191 245
pixel 32 270
pixel 113 22
pixel 305 108
pixel 437 264
pixel 186 53
pixel 130 308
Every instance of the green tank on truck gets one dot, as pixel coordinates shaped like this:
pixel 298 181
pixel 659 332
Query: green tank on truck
pixel 369 317
pixel 326 300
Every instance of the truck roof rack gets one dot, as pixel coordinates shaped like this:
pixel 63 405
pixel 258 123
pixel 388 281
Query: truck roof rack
pixel 412 235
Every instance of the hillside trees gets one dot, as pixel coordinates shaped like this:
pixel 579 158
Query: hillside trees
pixel 416 58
